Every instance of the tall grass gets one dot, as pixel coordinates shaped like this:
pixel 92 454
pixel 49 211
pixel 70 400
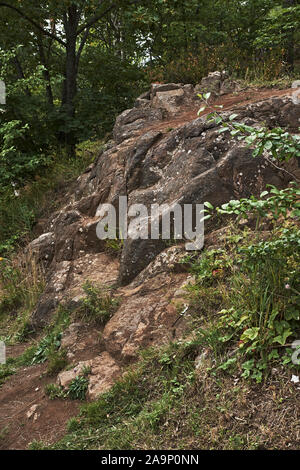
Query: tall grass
pixel 21 283
pixel 192 66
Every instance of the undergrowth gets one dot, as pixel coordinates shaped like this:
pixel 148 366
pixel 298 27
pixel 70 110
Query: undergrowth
pixel 96 308
pixel 45 349
pixel 165 402
pixel 75 391
pixel 200 392
pixel 98 305
pixel 20 207
pixel 22 281
pixel 253 279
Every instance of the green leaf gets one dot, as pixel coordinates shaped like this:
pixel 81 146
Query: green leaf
pixel 203 108
pixel 206 96
pixel 273 355
pixel 209 205
pixel 281 339
pixel 227 364
pixel 268 145
pixel 250 334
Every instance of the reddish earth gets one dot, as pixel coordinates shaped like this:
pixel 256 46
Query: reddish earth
pixel 18 394
pixel 26 387
pixel 230 101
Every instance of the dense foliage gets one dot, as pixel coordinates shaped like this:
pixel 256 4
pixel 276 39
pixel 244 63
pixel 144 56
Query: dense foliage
pixel 260 267
pixel 259 318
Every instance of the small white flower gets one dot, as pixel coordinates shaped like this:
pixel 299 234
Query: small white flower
pixel 295 379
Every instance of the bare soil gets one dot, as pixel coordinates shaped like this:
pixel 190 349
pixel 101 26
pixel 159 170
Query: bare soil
pixel 26 388
pixel 229 102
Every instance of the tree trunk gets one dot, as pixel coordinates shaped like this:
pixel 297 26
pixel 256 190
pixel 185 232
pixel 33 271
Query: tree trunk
pixel 290 47
pixel 70 84
pixel 46 72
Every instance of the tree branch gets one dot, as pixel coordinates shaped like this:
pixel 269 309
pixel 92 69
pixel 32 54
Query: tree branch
pixel 21 73
pixel 82 44
pixel 95 18
pixel 98 17
pixel 46 71
pixel 34 23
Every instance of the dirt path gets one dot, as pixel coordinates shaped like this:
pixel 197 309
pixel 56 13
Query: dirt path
pixel 17 396
pixel 26 388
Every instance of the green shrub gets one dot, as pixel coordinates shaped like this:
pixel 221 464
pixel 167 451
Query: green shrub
pixel 15 164
pixel 78 388
pixel 54 391
pixel 47 346
pixel 98 306
pixel 73 425
pixel 22 204
pixel 261 310
pixel 5 371
pixel 57 361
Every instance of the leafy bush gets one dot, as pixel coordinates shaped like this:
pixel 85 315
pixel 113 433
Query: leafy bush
pixel 47 346
pixel 21 206
pixel 54 391
pixel 16 165
pixel 57 361
pixel 75 391
pixel 261 291
pixel 275 145
pixel 78 388
pixel 280 203
pixel 262 310
pixel 279 143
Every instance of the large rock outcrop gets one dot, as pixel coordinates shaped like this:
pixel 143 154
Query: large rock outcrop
pixel 188 161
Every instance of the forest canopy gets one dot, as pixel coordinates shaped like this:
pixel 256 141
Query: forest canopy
pixel 70 66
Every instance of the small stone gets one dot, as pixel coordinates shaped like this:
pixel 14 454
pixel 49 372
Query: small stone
pixel 32 411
